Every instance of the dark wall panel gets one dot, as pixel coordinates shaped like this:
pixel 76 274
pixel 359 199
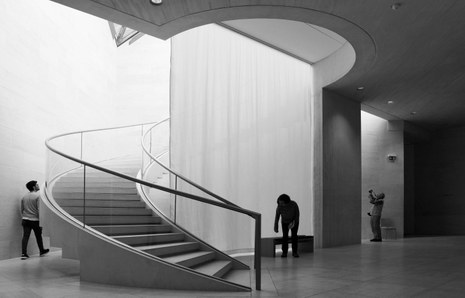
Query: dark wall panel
pixel 440 184
pixel 341 204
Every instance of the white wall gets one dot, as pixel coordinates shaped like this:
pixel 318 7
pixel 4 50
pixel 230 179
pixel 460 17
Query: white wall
pixel 241 127
pixel 59 73
pixel 380 138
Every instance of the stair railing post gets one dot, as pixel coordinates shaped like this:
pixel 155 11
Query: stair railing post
pixel 84 200
pixel 175 197
pixel 258 252
pixel 142 151
pixel 81 144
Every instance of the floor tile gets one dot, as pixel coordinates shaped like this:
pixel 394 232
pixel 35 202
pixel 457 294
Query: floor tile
pixel 410 267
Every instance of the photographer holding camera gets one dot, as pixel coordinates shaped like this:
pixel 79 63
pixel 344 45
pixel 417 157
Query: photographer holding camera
pixel 378 202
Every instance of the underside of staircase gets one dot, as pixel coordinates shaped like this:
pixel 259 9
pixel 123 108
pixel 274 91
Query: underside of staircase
pixel 125 241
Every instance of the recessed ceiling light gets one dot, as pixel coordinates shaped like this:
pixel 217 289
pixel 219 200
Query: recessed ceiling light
pixel 413 113
pixel 361 88
pixel 390 102
pixel 395 6
pixel 156 2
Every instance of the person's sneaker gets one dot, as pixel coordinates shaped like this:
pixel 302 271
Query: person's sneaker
pixel 24 257
pixel 296 255
pixel 284 256
pixel 376 240
pixel 45 251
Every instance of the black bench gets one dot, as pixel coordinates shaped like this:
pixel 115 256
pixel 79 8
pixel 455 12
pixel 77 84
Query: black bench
pixel 269 245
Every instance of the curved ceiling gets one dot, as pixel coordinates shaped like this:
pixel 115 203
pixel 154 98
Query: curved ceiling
pixel 408 53
pixel 303 40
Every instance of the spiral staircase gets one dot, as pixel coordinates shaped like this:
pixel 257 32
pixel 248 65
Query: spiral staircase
pixel 99 214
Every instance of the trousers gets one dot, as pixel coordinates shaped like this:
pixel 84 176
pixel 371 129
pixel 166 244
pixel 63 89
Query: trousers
pixel 375 222
pixel 29 225
pixel 294 237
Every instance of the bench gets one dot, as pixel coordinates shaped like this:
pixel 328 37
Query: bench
pixel 269 244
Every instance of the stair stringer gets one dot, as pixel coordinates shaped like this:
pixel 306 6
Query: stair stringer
pixel 104 260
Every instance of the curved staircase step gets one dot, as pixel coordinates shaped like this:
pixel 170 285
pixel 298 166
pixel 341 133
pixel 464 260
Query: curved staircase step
pixel 168 249
pixel 101 203
pixel 96 196
pixel 112 190
pixel 88 210
pixel 118 219
pixel 214 268
pixel 149 239
pixel 191 259
pixel 66 180
pixel 115 230
pixel 241 277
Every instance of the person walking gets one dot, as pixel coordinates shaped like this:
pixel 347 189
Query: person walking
pixel 30 219
pixel 289 212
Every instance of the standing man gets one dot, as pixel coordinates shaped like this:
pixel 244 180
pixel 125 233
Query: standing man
pixel 30 218
pixel 289 212
pixel 378 202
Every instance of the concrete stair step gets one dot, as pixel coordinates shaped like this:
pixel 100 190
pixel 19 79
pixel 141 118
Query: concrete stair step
pixel 239 276
pixel 97 196
pixel 115 230
pixel 101 203
pixel 90 183
pixel 118 219
pixel 91 189
pixel 168 249
pixel 88 210
pixel 191 259
pixel 216 268
pixel 149 239
pixel 97 173
pixel 110 179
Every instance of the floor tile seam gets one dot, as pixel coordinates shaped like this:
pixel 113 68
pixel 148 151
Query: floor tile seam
pixel 398 285
pixel 425 291
pixel 341 290
pixel 273 282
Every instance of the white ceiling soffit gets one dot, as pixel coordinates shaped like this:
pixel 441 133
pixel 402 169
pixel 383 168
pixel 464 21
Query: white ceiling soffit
pixel 309 42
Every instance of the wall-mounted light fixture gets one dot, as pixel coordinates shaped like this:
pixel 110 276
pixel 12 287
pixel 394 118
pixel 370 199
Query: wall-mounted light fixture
pixel 392 157
pixel 396 6
pixel 156 2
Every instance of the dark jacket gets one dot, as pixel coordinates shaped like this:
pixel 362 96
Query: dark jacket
pixel 288 213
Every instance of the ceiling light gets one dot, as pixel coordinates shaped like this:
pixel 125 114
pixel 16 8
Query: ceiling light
pixel 413 113
pixel 361 88
pixel 156 2
pixel 390 102
pixel 395 6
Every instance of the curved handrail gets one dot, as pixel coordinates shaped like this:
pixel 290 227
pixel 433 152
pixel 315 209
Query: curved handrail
pixel 230 206
pixel 127 177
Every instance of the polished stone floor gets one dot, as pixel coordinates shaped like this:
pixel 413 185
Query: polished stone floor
pixel 410 267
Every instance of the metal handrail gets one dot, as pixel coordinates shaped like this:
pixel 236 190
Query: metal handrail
pixel 230 206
